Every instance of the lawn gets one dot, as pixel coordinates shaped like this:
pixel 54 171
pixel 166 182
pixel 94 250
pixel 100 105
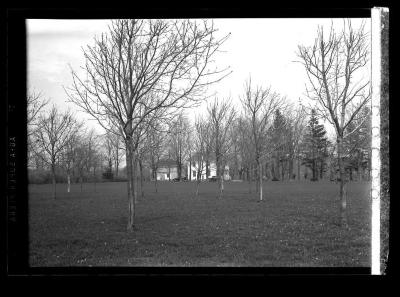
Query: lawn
pixel 297 225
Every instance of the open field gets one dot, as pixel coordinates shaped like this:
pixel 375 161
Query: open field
pixel 297 225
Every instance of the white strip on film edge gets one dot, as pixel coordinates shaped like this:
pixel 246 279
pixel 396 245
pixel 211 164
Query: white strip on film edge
pixel 375 139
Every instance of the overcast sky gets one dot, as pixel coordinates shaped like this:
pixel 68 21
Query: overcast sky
pixel 263 48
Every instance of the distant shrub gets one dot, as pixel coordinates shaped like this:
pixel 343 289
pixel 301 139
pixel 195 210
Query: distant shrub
pixel 275 179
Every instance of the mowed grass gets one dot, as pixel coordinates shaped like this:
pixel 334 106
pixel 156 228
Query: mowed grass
pixel 297 225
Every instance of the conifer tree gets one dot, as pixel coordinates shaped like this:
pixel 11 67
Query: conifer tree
pixel 315 146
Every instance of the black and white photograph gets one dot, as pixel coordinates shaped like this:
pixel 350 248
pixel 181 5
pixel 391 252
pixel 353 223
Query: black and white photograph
pixel 204 142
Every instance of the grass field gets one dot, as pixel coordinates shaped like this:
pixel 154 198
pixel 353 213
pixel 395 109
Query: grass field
pixel 297 225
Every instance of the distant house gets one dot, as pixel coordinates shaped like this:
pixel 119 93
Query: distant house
pixel 194 167
pixel 168 170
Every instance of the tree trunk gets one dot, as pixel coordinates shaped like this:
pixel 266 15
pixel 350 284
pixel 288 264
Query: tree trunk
pixel 342 186
pixel 207 169
pixel 81 181
pixel 141 178
pixel 94 178
pixel 190 168
pixel 257 180
pixel 198 182
pixel 298 167
pixel 249 177
pixel 53 175
pixel 291 162
pixel 131 198
pixel 116 163
pixel 261 185
pixel 221 186
pixel 69 182
pixel 155 179
pixel 135 178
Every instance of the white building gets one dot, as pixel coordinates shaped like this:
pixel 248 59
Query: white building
pixel 195 167
pixel 167 170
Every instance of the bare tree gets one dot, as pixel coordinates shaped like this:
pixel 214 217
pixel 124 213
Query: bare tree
pixel 35 105
pixel 333 66
pixel 69 157
pixel 141 67
pixel 259 105
pixel 246 152
pixel 178 136
pixel 91 141
pixel 221 115
pixel 155 142
pixel 109 150
pixel 54 131
pixel 200 140
pixel 297 125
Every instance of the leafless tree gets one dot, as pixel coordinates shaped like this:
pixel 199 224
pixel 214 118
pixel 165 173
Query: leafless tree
pixel 296 117
pixel 114 146
pixel 155 143
pixel 221 115
pixel 92 162
pixel 68 158
pixel 35 105
pixel 109 149
pixel 333 66
pixel 259 105
pixel 178 137
pixel 141 67
pixel 201 138
pixel 246 152
pixel 54 132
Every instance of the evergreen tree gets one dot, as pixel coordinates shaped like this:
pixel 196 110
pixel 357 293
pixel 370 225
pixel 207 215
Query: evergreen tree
pixel 315 147
pixel 279 139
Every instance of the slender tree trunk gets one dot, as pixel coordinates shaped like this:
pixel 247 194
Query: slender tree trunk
pixel 342 185
pixel 69 181
pixel 131 198
pixel 249 177
pixel 261 184
pixel 53 175
pixel 198 182
pixel 94 178
pixel 207 169
pixel 221 186
pixel 190 168
pixel 298 167
pixel 291 161
pixel 155 179
pixel 135 178
pixel 141 178
pixel 117 163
